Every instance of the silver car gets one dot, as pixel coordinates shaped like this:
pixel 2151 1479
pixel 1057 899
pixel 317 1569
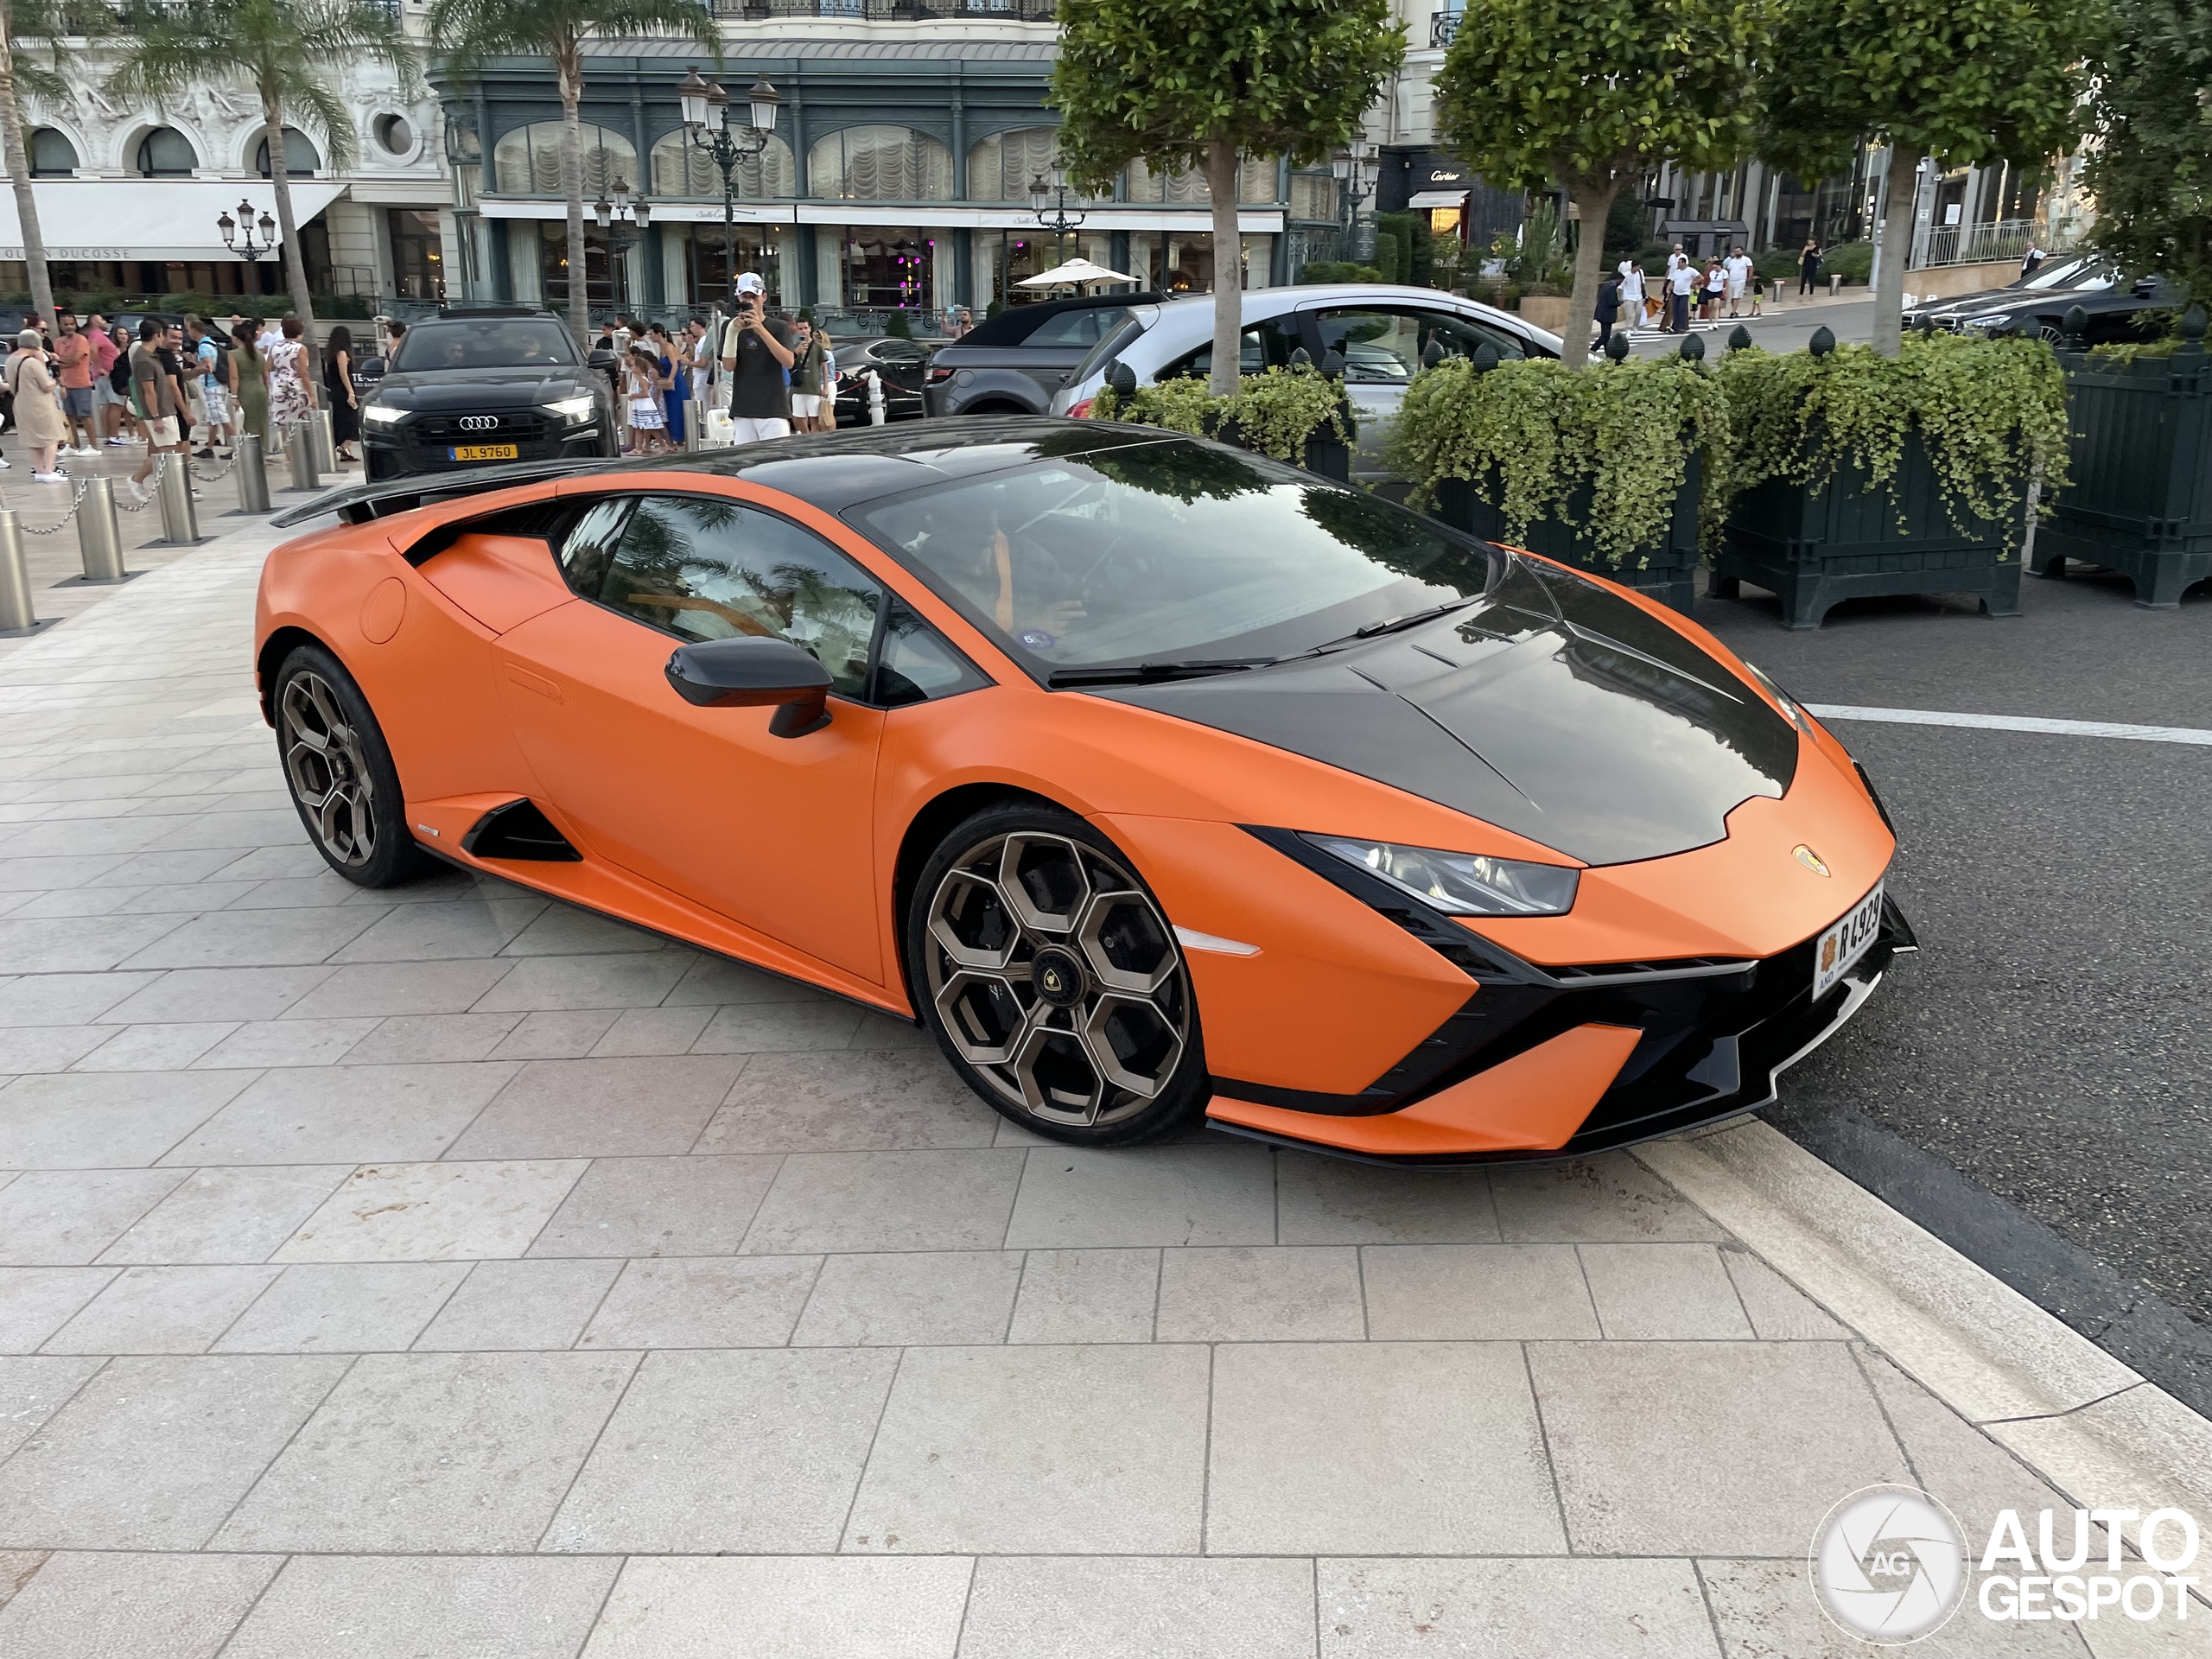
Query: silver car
pixel 1384 334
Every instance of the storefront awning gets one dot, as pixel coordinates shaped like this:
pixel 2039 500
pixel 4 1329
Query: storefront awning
pixel 1430 199
pixel 148 218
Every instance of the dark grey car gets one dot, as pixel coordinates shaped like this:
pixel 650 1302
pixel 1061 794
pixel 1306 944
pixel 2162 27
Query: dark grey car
pixel 1012 363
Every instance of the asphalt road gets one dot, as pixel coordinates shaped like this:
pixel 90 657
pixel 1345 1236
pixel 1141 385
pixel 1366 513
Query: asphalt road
pixel 1787 328
pixel 2036 1086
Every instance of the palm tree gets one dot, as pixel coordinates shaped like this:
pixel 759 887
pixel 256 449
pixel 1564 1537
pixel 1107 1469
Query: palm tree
pixel 471 32
pixel 291 51
pixel 47 23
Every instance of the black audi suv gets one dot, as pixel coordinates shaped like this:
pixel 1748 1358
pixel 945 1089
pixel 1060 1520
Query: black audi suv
pixel 489 384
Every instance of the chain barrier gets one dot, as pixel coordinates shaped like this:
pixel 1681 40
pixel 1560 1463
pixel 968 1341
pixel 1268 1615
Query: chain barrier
pixel 142 499
pixel 56 529
pixel 220 473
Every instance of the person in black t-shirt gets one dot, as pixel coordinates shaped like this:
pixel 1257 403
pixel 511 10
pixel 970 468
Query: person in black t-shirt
pixel 758 356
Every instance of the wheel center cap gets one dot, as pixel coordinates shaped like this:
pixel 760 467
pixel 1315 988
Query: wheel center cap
pixel 1057 976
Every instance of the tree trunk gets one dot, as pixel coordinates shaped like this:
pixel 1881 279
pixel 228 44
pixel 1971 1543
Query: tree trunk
pixel 19 174
pixel 1596 201
pixel 1900 198
pixel 569 63
pixel 1228 267
pixel 288 230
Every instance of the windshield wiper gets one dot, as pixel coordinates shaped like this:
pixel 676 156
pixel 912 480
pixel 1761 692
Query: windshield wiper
pixel 1393 624
pixel 1147 673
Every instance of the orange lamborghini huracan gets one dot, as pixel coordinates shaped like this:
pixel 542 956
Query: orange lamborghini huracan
pixel 1156 779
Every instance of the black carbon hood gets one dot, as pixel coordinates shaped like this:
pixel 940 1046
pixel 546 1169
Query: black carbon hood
pixel 1551 707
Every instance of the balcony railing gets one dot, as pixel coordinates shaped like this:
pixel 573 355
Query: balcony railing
pixel 886 11
pixel 1444 28
pixel 2003 239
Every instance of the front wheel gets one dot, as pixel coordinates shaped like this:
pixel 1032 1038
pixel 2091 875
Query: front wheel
pixel 339 772
pixel 1052 981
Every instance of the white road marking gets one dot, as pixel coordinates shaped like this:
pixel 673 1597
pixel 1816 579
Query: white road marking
pixel 2014 723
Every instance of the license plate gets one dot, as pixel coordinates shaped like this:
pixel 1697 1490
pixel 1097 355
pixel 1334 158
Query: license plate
pixel 484 452
pixel 1846 942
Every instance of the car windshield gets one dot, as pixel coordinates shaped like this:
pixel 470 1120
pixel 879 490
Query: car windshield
pixel 1171 554
pixel 490 343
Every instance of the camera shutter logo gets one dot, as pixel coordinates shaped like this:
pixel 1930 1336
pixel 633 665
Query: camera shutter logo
pixel 1889 1564
pixel 479 423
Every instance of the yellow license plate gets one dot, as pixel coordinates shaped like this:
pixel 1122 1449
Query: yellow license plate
pixel 484 451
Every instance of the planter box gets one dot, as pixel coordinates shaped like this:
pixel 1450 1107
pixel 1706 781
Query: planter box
pixel 1852 540
pixel 1547 312
pixel 1666 572
pixel 1324 455
pixel 2141 500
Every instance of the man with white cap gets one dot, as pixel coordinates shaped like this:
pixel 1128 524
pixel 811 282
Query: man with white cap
pixel 757 356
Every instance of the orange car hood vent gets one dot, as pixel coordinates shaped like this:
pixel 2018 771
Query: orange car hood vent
pixel 1550 708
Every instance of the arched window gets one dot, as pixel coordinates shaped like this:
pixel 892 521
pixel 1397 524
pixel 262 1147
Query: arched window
pixel 53 156
pixel 300 159
pixel 165 153
pixel 880 164
pixel 682 168
pixel 1001 167
pixel 527 161
pixel 1255 181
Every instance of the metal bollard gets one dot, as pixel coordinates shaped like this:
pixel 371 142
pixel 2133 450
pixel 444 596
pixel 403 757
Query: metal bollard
pixel 299 449
pixel 99 533
pixel 875 415
pixel 180 523
pixel 253 473
pixel 17 613
pixel 326 450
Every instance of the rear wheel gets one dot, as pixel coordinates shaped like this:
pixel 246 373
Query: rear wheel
pixel 339 772
pixel 1052 981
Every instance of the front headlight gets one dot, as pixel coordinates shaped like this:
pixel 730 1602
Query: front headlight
pixel 1796 716
pixel 573 408
pixel 1462 884
pixel 383 414
pixel 1983 325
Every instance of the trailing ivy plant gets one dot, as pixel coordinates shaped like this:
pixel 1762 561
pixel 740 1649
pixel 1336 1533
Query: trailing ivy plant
pixel 1528 436
pixel 1276 413
pixel 1990 412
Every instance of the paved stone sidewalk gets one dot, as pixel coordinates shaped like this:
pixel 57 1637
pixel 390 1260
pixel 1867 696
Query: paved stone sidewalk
pixel 447 1272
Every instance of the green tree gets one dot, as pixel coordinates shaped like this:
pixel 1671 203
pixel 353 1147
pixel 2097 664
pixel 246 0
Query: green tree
pixel 27 26
pixel 1966 81
pixel 291 52
pixel 2152 169
pixel 472 32
pixel 1588 94
pixel 1193 83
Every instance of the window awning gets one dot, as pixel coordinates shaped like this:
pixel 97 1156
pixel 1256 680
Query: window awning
pixel 1436 198
pixel 148 218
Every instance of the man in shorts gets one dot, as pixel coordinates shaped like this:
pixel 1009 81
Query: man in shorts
pixel 806 380
pixel 110 404
pixel 73 353
pixel 157 389
pixel 211 367
pixel 757 357
pixel 1736 271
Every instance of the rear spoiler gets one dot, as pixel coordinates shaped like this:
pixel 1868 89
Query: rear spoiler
pixel 357 504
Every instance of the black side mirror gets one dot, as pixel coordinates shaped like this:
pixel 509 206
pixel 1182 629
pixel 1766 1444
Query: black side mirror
pixel 372 368
pixel 754 673
pixel 601 360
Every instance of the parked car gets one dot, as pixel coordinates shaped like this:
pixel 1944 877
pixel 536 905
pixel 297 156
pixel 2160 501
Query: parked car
pixel 1012 363
pixel 2117 312
pixel 1382 333
pixel 486 384
pixel 898 363
pixel 2083 271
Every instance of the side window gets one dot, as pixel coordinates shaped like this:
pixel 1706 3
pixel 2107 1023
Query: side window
pixel 590 544
pixel 706 567
pixel 915 664
pixel 898 351
pixel 1265 345
pixel 1076 329
pixel 1379 347
pixel 1464 336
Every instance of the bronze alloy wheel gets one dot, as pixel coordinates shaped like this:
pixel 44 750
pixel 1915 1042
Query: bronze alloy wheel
pixel 327 770
pixel 1053 975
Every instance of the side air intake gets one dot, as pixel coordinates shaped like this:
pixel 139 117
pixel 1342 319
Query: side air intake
pixel 520 831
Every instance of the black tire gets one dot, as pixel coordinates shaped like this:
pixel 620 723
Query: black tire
pixel 338 771
pixel 1048 1079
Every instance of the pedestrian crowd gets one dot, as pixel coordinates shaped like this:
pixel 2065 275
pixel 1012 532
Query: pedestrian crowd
pixel 1690 290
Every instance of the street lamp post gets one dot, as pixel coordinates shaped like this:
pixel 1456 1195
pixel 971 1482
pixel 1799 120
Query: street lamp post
pixel 705 126
pixel 622 221
pixel 238 233
pixel 1355 170
pixel 1059 221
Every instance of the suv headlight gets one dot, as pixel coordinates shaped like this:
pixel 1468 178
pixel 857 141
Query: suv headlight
pixel 573 408
pixel 1462 884
pixel 383 414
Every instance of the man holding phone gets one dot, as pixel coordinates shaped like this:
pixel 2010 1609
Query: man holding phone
pixel 757 356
